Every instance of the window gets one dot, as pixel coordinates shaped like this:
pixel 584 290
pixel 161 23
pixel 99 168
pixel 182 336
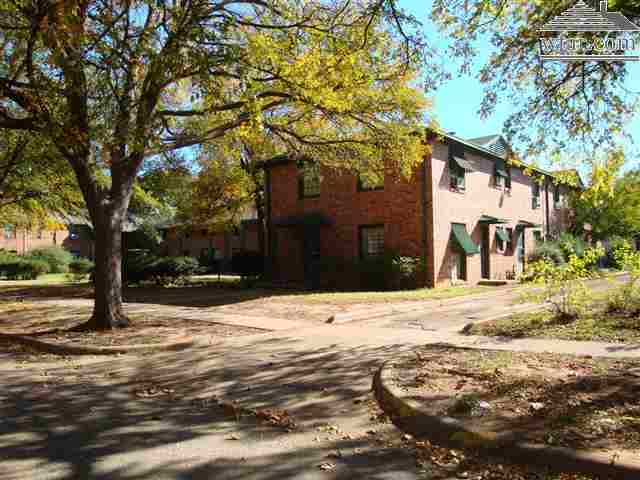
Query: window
pixel 537 236
pixel 456 167
pixel 308 181
pixel 556 197
pixel 8 232
pixel 509 242
pixel 535 190
pixel 502 174
pixel 374 181
pixel 73 232
pixel 39 234
pixel 371 241
pixel 501 239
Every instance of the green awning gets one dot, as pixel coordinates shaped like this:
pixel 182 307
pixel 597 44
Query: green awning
pixel 463 239
pixel 501 168
pixel 492 220
pixel 525 224
pixel 502 235
pixel 465 164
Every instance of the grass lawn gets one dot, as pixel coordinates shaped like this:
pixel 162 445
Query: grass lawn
pixel 42 280
pixel 598 326
pixel 395 296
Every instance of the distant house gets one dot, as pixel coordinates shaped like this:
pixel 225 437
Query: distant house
pixel 69 236
pixel 220 244
pixel 467 213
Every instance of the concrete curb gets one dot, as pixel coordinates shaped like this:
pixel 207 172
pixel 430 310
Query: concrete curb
pixel 65 349
pixel 409 417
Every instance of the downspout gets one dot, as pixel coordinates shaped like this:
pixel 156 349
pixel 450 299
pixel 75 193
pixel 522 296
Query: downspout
pixel 425 236
pixel 269 243
pixel 546 206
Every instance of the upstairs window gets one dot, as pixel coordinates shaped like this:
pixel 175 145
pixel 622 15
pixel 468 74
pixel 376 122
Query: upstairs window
pixel 458 167
pixel 557 202
pixel 308 181
pixel 502 174
pixel 535 191
pixel 371 241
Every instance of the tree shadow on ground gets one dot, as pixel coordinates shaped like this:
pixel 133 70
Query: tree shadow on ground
pixel 169 416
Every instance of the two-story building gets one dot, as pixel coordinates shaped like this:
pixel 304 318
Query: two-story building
pixel 467 212
pixel 23 240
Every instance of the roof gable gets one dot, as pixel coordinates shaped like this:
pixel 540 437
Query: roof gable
pixel 494 143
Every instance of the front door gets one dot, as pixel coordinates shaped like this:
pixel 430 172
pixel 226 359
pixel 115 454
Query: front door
pixel 485 253
pixel 520 253
pixel 311 257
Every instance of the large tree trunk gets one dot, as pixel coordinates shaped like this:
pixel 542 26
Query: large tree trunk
pixel 107 309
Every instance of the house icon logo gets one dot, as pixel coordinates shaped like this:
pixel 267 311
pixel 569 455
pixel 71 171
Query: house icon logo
pixel 583 18
pixel 583 33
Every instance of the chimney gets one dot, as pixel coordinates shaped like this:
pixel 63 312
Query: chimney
pixel 604 6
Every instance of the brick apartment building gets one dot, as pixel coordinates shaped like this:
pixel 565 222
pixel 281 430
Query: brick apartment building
pixel 23 240
pixel 466 213
pixel 195 242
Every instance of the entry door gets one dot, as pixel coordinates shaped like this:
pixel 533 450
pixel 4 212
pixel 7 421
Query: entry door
pixel 485 253
pixel 520 253
pixel 311 253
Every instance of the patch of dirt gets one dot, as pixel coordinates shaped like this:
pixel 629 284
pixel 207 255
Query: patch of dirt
pixel 577 402
pixel 24 317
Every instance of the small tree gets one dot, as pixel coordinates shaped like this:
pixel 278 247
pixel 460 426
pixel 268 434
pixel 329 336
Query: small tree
pixel 563 287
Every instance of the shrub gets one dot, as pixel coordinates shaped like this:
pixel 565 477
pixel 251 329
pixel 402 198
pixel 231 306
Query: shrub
pixel 389 271
pixel 79 268
pixel 173 270
pixel 563 286
pixel 619 250
pixel 23 269
pixel 547 251
pixel 164 271
pixel 57 258
pixel 625 299
pixel 571 245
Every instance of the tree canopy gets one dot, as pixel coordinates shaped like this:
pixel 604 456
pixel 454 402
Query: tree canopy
pixel 590 102
pixel 611 202
pixel 36 188
pixel 110 84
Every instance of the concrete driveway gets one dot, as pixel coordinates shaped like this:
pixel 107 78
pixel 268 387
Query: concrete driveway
pixel 182 415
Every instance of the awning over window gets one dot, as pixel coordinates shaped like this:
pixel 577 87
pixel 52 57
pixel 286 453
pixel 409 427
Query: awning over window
pixel 306 220
pixel 466 165
pixel 463 239
pixel 492 220
pixel 501 168
pixel 502 235
pixel 525 224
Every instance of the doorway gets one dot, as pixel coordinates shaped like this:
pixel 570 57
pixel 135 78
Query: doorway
pixel 311 257
pixel 520 252
pixel 485 252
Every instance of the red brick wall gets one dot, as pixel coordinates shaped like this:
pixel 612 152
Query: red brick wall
pixel 23 241
pixel 397 207
pixel 191 243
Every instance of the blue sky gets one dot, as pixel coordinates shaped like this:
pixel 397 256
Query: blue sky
pixel 457 102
